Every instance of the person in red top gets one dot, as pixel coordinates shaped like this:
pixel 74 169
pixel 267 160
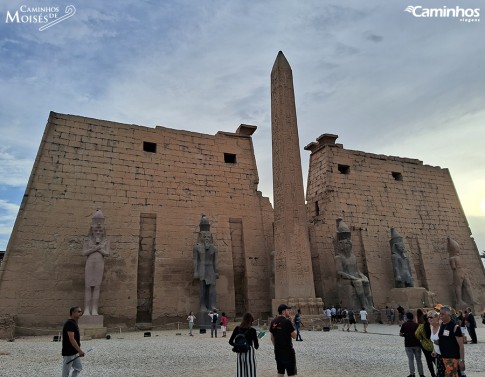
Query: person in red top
pixel 412 344
pixel 223 324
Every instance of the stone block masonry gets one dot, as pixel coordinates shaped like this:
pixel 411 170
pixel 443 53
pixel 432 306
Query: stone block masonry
pixel 134 173
pixel 374 193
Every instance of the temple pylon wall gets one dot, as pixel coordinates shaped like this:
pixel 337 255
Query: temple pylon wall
pixel 374 193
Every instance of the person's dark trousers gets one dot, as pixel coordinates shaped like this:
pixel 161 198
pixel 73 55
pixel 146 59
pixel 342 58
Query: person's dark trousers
pixel 429 361
pixel 213 329
pixel 473 334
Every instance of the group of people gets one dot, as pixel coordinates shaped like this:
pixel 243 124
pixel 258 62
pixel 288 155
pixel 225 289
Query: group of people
pixel 438 334
pixel 349 319
pixel 283 330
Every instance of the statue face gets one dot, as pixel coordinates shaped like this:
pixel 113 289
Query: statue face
pixel 345 247
pixel 205 237
pixel 400 247
pixel 98 231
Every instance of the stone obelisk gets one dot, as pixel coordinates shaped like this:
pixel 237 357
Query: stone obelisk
pixel 294 283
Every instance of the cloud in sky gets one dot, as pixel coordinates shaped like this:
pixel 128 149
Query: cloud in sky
pixel 383 80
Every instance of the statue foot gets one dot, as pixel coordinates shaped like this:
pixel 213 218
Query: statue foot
pixel 94 312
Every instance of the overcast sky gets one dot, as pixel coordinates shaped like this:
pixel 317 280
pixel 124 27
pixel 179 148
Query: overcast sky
pixel 381 78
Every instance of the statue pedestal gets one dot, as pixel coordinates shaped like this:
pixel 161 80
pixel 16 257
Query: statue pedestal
pixel 203 320
pixel 308 306
pixel 92 326
pixel 410 298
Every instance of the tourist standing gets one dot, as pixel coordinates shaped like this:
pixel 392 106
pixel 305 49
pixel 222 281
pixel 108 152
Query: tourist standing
pixel 282 333
pixel 223 324
pixel 191 318
pixel 471 325
pixel 345 319
pixel 71 344
pixel 363 317
pixel 423 334
pixel 461 321
pixel 451 344
pixel 352 319
pixel 434 321
pixel 411 344
pixel 333 313
pixel 297 322
pixel 246 361
pixel 214 316
pixel 388 315
pixel 400 311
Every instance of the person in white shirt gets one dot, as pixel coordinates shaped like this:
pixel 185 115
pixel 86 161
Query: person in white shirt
pixel 363 318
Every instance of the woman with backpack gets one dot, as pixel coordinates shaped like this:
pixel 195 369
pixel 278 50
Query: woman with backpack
pixel 244 340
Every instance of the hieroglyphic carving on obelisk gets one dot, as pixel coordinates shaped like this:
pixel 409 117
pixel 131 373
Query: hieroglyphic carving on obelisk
pixel 293 268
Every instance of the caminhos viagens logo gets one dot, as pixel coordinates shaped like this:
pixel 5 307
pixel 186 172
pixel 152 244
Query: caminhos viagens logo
pixel 47 16
pixel 462 14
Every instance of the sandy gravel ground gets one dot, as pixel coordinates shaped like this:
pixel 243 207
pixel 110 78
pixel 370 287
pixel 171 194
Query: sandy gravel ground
pixel 380 352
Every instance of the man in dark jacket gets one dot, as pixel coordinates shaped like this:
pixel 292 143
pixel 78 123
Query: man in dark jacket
pixel 471 325
pixel 411 344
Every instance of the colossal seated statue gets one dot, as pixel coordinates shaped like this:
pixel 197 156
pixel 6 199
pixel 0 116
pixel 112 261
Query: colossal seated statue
pixel 401 263
pixel 348 271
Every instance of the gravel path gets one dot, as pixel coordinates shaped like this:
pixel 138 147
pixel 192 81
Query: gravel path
pixel 380 352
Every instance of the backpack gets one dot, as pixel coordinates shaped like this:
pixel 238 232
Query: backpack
pixel 214 317
pixel 240 343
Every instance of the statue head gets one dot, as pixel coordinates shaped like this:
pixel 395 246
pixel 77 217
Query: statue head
pixel 453 247
pixel 343 231
pixel 396 242
pixel 345 247
pixel 97 226
pixel 205 236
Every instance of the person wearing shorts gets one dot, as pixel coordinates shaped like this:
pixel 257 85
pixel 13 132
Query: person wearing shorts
pixel 345 319
pixel 351 315
pixel 223 324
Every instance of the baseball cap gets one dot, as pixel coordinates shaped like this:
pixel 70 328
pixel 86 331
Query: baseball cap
pixel 283 307
pixel 437 307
